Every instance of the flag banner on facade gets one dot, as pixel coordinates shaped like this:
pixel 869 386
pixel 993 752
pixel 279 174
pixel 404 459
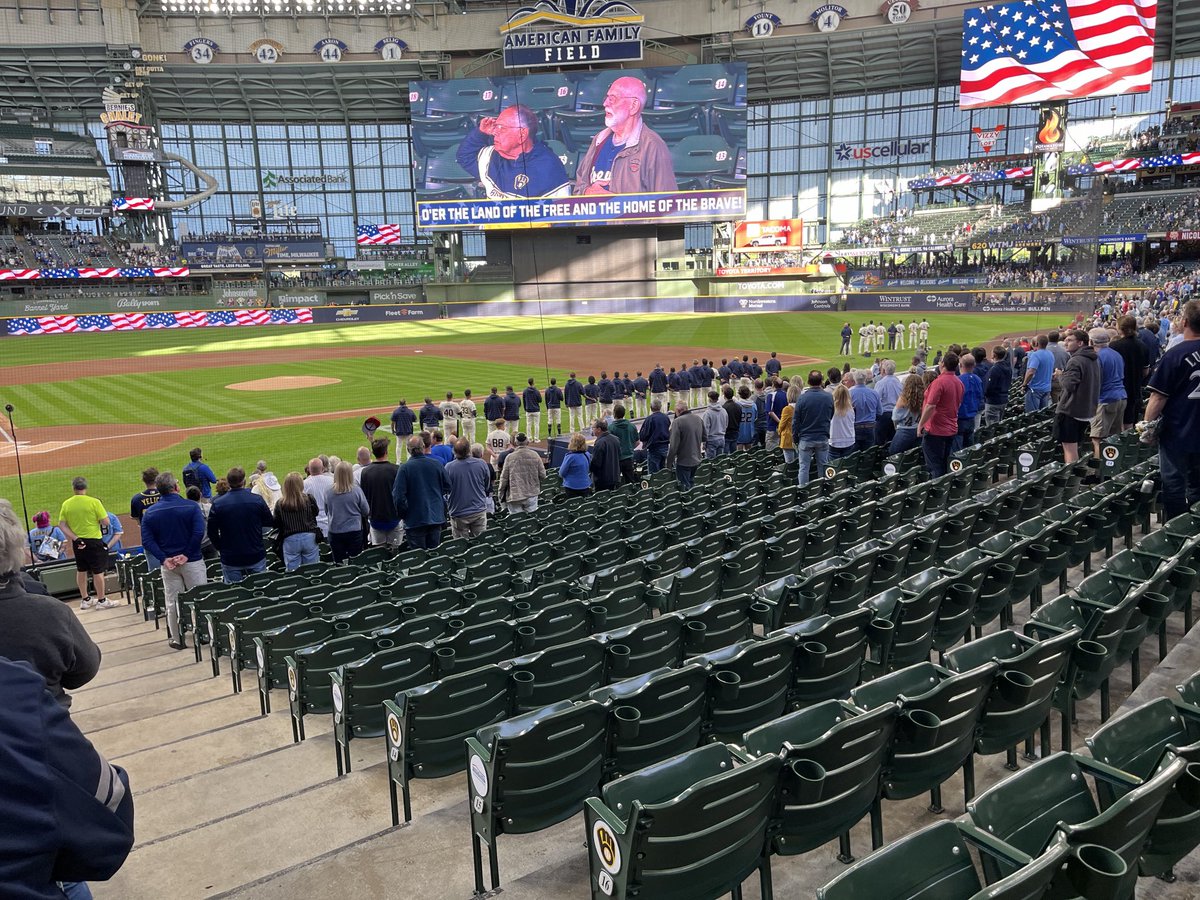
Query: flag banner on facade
pixel 133 204
pixel 1031 51
pixel 153 321
pixel 378 234
pixel 93 272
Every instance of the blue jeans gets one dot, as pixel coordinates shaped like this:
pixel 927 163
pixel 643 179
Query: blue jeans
pixel 655 457
pixel 730 445
pixel 1036 400
pixel 937 453
pixel 966 434
pixel 426 537
pixel 806 450
pixel 76 890
pixel 713 449
pixel 1180 472
pixel 685 475
pixel 235 574
pixel 299 550
pixel 789 455
pixel 993 413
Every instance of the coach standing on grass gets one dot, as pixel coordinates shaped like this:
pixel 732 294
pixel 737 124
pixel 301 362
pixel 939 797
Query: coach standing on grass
pixel 1174 389
pixel 235 527
pixel 420 497
pixel 172 530
pixel 402 425
pixel 531 400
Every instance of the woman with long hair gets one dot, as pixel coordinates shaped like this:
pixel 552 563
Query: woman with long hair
pixel 786 444
pixel 296 521
pixel 841 426
pixel 346 506
pixel 907 413
pixel 575 469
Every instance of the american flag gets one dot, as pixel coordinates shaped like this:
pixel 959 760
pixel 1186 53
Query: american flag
pixel 378 234
pixel 1164 160
pixel 929 181
pixel 1031 51
pixel 19 274
pixel 99 273
pixel 141 321
pixel 169 272
pixel 60 273
pixel 132 204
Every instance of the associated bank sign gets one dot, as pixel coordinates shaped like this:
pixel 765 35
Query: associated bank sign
pixel 572 32
pixel 271 179
pixel 847 152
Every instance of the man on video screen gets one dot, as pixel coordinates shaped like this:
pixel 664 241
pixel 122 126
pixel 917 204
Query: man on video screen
pixel 626 157
pixel 508 162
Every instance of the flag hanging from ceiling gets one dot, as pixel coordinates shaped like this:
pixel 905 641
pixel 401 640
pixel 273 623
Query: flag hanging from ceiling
pixel 1030 51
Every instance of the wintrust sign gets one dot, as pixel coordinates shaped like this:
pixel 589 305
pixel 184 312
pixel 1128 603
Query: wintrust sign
pixel 847 152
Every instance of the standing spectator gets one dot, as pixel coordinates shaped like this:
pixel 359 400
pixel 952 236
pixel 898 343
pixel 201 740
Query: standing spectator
pixel 402 425
pixel 362 459
pixel 38 629
pixel 449 410
pixel 376 482
pixel 907 413
pixel 1060 365
pixel 887 389
pixel 938 424
pixel 1136 361
pixel 810 426
pixel 47 543
pixel 776 400
pixel 68 813
pixel 1148 335
pixel 317 485
pixel 1080 394
pixel 866 411
pixel 420 497
pixel 841 425
pixel 1172 399
pixel 576 468
pixel 1039 371
pixel 627 436
pixel 430 416
pixel 573 399
pixel 470 482
pixel 439 449
pixel 235 527
pixel 760 414
pixel 716 420
pixel 655 435
pixel 498 441
pixel 172 531
pixel 295 520
pixel 493 407
pixel 146 497
pixel 1110 408
pixel 197 474
pixel 512 410
pixel 686 448
pixel 554 402
pixel 81 518
pixel 971 404
pixel 997 386
pixel 531 400
pixel 733 416
pixel 606 457
pixel 111 533
pixel 747 413
pixel 786 442
pixel 347 506
pixel 521 479
pixel 267 486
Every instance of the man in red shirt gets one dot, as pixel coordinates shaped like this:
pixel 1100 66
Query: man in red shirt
pixel 939 419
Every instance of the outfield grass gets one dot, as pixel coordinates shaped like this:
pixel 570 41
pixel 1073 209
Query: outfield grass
pixel 195 397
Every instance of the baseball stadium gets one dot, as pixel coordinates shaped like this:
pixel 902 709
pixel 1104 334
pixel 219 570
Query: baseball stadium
pixel 599 448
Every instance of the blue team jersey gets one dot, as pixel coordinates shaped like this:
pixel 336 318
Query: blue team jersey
pixel 535 173
pixel 602 165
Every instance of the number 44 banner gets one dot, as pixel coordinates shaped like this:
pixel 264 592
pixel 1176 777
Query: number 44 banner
pixel 330 50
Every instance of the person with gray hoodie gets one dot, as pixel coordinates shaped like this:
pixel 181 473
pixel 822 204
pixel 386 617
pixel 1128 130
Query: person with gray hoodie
pixel 716 420
pixel 1080 393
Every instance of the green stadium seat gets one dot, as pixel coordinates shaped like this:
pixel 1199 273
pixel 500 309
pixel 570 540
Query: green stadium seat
pixel 699 157
pixel 829 657
pixel 480 645
pixel 936 737
pixel 1189 690
pixel 473 96
pixel 244 629
pixel 1139 743
pixel 562 672
pixel 718 623
pixel 903 627
pixel 647 646
pixel 834 759
pixel 750 683
pixel 730 123
pixel 692 826
pixel 530 772
pixel 308 671
pixel 675 123
pixel 576 129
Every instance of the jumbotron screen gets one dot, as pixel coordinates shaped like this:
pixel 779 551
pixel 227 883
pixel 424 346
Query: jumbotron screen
pixel 624 146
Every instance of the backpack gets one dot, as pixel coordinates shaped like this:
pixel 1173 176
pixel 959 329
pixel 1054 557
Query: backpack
pixel 191 478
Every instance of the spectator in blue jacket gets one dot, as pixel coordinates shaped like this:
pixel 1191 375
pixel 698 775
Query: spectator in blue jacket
pixel 235 527
pixel 420 495
pixel 66 813
pixel 576 468
pixel 655 435
pixel 403 419
pixel 971 405
pixel 866 411
pixel 172 531
pixel 198 473
pixel 996 388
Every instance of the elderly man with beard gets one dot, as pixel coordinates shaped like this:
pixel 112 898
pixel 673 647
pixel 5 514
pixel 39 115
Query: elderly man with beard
pixel 626 157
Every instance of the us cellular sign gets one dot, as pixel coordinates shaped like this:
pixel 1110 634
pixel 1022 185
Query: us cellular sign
pixel 846 152
pixel 595 31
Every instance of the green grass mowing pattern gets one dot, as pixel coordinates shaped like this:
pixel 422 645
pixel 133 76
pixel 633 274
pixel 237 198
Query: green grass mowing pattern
pixel 808 334
pixel 286 448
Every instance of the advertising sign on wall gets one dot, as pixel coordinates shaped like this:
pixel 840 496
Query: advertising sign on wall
pixel 770 235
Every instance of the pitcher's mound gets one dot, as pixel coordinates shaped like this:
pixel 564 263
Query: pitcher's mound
pixel 283 383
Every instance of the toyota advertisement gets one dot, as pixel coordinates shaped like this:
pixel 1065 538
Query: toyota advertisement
pixel 769 236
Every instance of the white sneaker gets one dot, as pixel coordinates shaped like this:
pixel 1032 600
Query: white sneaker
pixel 105 604
pixel 86 603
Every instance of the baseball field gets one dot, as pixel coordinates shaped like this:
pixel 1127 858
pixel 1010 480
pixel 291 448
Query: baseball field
pixel 106 405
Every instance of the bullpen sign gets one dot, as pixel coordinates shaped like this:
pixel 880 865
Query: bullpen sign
pixel 587 32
